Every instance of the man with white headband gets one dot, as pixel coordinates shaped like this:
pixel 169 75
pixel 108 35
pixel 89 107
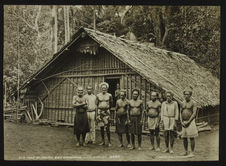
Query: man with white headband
pixel 104 104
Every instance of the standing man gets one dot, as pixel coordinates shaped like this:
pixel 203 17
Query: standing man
pixel 169 116
pixel 187 117
pixel 91 113
pixel 135 118
pixel 121 120
pixel 104 104
pixel 81 126
pixel 154 116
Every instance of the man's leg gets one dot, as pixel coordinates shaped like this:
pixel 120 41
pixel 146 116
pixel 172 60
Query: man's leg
pixel 87 139
pixel 157 139
pixel 120 139
pixel 78 139
pixel 185 146
pixel 102 135
pixel 83 138
pixel 171 141
pixel 192 146
pixel 133 141
pixel 128 138
pixel 92 127
pixel 139 141
pixel 166 134
pixel 108 134
pixel 152 139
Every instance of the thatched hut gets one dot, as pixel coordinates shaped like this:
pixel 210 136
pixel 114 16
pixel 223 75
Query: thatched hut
pixel 92 57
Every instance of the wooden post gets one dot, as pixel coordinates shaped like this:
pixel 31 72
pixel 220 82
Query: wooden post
pixel 5 97
pixel 145 93
pixel 18 74
pixel 54 15
pixel 94 19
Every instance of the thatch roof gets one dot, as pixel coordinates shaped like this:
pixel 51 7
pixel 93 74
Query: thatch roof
pixel 168 70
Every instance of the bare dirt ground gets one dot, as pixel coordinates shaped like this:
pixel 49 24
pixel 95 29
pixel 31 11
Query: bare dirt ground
pixel 35 142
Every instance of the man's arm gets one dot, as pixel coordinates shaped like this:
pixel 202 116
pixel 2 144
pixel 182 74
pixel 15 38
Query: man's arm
pixel 176 111
pixel 128 112
pixel 116 108
pixel 97 103
pixel 193 114
pixel 95 107
pixel 159 111
pixel 110 101
pixel 75 103
pixel 162 110
pixel 142 111
pixel 97 100
pixel 181 120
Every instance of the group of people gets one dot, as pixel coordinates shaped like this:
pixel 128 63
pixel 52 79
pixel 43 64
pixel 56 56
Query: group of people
pixel 129 118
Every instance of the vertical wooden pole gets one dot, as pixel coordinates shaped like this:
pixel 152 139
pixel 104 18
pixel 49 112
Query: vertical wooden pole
pixel 5 97
pixel 145 93
pixel 65 25
pixel 18 74
pixel 140 87
pixel 68 23
pixel 60 101
pixel 130 76
pixel 127 86
pixel 94 19
pixel 54 14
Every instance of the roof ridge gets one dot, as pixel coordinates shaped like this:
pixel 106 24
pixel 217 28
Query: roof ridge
pixel 119 38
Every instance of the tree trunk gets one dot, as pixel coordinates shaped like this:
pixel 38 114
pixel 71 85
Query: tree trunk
pixel 66 24
pixel 54 27
pixel 5 98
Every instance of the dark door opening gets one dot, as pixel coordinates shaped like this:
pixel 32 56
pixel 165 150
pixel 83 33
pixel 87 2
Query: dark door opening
pixel 113 87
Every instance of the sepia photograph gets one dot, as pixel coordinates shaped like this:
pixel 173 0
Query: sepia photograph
pixel 111 83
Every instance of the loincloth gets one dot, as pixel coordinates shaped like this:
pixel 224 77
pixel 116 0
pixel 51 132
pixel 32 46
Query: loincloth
pixel 103 117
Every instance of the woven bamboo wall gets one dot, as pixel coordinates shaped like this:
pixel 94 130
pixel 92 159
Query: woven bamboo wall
pixel 56 90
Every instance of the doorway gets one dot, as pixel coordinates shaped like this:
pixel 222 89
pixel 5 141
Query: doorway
pixel 113 87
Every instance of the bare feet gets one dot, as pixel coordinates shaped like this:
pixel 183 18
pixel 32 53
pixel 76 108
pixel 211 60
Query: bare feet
pixel 166 150
pixel 157 149
pixel 139 148
pixel 120 146
pixel 109 145
pixel 191 154
pixel 129 146
pixel 77 144
pixel 152 148
pixel 84 144
pixel 185 153
pixel 132 147
pixel 102 143
pixel 171 152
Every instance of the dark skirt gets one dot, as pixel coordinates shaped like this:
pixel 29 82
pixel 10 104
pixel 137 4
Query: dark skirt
pixel 81 124
pixel 121 124
pixel 135 125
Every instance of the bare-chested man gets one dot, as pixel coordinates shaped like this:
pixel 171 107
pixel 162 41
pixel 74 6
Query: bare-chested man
pixel 153 113
pixel 135 118
pixel 121 118
pixel 104 104
pixel 187 116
